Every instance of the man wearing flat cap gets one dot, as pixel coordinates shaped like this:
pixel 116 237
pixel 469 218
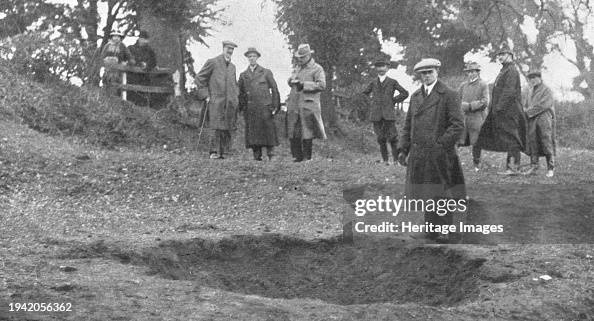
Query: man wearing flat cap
pixel 304 112
pixel 504 129
pixel 260 101
pixel 427 146
pixel 217 85
pixel 474 97
pixel 381 112
pixel 540 111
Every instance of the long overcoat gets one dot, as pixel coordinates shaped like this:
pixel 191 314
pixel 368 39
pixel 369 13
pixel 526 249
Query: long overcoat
pixel 217 80
pixel 305 104
pixel 383 99
pixel 540 112
pixel 258 98
pixel 474 98
pixel 431 129
pixel 505 127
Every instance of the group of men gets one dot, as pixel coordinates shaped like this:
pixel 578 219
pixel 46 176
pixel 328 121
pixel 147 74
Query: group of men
pixel 438 120
pixel 256 95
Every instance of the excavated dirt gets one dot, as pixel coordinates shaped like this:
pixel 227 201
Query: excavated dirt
pixel 275 266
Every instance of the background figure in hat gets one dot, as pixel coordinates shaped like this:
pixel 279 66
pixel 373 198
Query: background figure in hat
pixel 304 115
pixel 540 111
pixel 504 130
pixel 146 59
pixel 217 85
pixel 427 147
pixel 114 52
pixel 259 100
pixel 381 112
pixel 474 97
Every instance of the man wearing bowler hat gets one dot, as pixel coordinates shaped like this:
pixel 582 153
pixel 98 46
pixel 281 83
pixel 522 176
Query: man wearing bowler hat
pixel 427 146
pixel 304 113
pixel 540 111
pixel 504 129
pixel 260 101
pixel 381 112
pixel 217 85
pixel 474 97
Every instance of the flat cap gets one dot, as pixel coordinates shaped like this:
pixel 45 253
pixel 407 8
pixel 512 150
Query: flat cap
pixel 228 43
pixel 381 62
pixel 504 49
pixel 427 64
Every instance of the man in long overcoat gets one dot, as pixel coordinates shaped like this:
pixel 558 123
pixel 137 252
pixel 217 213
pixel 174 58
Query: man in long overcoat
pixel 504 130
pixel 540 111
pixel 427 147
pixel 381 112
pixel 260 101
pixel 217 84
pixel 474 97
pixel 304 113
pixel 147 60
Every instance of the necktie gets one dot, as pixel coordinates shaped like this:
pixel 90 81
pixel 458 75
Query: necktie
pixel 424 91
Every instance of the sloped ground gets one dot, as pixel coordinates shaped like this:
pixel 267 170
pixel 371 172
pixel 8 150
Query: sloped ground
pixel 170 235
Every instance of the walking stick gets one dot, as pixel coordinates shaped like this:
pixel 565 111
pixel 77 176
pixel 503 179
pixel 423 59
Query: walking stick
pixel 205 109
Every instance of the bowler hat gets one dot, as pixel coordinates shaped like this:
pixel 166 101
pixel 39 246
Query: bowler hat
pixel 143 34
pixel 427 64
pixel 228 43
pixel 252 50
pixel 381 62
pixel 532 73
pixel 303 50
pixel 472 66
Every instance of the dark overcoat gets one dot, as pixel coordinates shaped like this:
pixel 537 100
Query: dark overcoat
pixel 218 80
pixel 258 98
pixel 383 99
pixel 144 53
pixel 505 127
pixel 432 127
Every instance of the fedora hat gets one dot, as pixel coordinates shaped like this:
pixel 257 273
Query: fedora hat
pixel 427 64
pixel 303 50
pixel 472 66
pixel 252 50
pixel 228 43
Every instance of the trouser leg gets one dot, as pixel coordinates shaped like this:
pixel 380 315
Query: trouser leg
pixel 394 147
pixel 307 148
pixel 383 148
pixel 214 142
pixel 257 152
pixel 296 149
pixel 446 218
pixel 534 160
pixel 550 162
pixel 476 154
pixel 516 157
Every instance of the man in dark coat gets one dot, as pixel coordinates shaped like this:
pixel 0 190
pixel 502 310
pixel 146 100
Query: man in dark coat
pixel 260 101
pixel 504 130
pixel 381 112
pixel 427 147
pixel 217 85
pixel 145 59
pixel 540 111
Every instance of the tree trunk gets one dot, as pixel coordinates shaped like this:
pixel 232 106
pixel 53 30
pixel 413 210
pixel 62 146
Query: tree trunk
pixel 328 108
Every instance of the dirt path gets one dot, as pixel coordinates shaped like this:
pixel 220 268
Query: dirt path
pixel 129 235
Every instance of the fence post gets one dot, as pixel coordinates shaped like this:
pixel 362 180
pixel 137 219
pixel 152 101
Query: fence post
pixel 124 82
